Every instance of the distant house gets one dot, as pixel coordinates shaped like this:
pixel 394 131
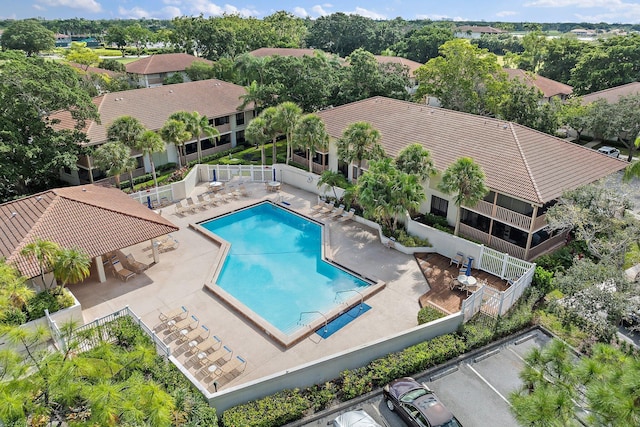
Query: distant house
pixel 613 94
pixel 412 66
pixel 475 31
pixel 583 33
pixel 549 88
pixel 213 98
pixel 63 40
pixel 526 170
pixel 152 70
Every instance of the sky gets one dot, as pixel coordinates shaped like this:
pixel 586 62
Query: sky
pixel 610 11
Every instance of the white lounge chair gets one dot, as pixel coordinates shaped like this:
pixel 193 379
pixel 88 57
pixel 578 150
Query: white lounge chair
pixel 346 216
pixel 336 212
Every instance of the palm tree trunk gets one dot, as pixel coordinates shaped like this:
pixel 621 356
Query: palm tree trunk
pixel 310 162
pixel 153 170
pixel 457 229
pixel 274 152
pixel 199 150
pixel 263 155
pixel 179 156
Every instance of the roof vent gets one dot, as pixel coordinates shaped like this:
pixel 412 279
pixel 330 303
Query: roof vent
pixel 170 90
pixel 14 214
pixel 39 198
pixel 504 126
pixel 84 189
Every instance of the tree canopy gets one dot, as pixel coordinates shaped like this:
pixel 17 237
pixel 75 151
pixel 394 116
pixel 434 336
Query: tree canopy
pixel 27 35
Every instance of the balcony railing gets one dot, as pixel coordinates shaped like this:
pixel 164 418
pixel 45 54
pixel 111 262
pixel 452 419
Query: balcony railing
pixel 504 215
pixel 547 245
pixel 492 241
pixel 317 169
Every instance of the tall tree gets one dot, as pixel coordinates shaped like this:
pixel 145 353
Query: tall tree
pixel 127 130
pixel 310 135
pixel 332 179
pixel 29 36
pixel 79 53
pixel 464 78
pixel 422 44
pixel 149 143
pixel 270 115
pixel 622 120
pixel 416 160
pixel 117 34
pixel 33 148
pixel 175 132
pixel 560 56
pixel 255 133
pixel 14 292
pixel 523 105
pixel 44 252
pixel 197 125
pixel 287 116
pixel 360 141
pixel 71 265
pixel 465 179
pixel 114 158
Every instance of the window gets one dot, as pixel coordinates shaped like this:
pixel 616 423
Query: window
pixel 225 139
pixel 219 121
pixel 239 119
pixel 240 137
pixel 139 162
pixel 439 206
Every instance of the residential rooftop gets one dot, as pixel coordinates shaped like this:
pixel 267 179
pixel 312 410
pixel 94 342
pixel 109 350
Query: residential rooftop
pixel 163 63
pixel 517 161
pixel 613 94
pixel 548 87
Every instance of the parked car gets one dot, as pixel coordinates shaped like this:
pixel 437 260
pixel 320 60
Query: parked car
pixel 417 405
pixel 357 418
pixel 609 151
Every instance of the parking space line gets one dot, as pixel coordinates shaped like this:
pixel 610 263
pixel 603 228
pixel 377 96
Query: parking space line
pixel 517 355
pixel 489 384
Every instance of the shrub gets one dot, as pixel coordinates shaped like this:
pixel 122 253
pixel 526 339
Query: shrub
pixel 543 280
pixel 272 411
pixel 13 316
pixel 428 314
pixel 51 299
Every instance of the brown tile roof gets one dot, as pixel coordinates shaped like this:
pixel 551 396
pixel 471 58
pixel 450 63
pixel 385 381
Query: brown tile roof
pixel 412 65
pixel 153 106
pixel 547 86
pixel 163 63
pixel 95 70
pixel 93 218
pixel 612 95
pixel 517 161
pixel 282 51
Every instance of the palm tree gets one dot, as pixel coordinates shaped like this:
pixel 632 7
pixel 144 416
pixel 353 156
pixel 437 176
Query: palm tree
pixel 127 130
pixel 197 126
pixel 175 132
pixel 149 143
pixel 255 133
pixel 360 141
pixel 333 180
pixel 270 115
pixel 311 135
pixel 44 252
pixel 414 159
pixel 114 158
pixel 286 118
pixel 14 292
pixel 71 266
pixel 465 178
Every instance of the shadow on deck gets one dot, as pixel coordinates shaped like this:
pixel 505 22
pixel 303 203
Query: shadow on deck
pixel 439 274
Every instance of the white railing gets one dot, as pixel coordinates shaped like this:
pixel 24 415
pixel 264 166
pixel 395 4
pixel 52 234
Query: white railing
pixel 259 173
pixel 157 197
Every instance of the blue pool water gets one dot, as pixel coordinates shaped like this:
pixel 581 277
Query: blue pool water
pixel 275 265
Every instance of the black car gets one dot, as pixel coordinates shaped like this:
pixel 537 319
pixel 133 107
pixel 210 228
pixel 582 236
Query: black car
pixel 417 405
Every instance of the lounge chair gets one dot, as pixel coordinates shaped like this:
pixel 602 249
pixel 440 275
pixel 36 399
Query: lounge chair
pixel 191 205
pixel 203 347
pixel 327 209
pixel 178 326
pixel 336 213
pixel 346 216
pixel 181 209
pixel 209 359
pixel 235 364
pixel 243 190
pixel 321 204
pixel 130 263
pixel 177 313
pixel 202 202
pixel 167 245
pixel 194 336
pixel 121 272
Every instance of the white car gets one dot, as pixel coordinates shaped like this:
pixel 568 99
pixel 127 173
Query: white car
pixel 357 418
pixel 609 151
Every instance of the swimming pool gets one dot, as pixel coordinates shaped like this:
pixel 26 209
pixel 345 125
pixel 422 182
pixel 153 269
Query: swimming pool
pixel 275 267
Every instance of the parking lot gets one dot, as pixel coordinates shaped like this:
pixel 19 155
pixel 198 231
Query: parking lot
pixel 475 388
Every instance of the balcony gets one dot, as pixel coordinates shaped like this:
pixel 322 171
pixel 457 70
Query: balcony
pixel 507 216
pixel 317 168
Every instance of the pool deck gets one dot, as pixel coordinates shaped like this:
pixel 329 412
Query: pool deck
pixel 180 277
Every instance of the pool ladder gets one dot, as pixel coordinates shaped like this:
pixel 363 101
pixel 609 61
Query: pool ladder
pixel 310 312
pixel 336 299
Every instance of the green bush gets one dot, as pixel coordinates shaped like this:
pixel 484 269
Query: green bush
pixel 429 314
pixel 51 299
pixel 13 316
pixel 272 411
pixel 543 280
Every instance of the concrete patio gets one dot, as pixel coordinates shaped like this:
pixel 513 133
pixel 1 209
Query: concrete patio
pixel 179 278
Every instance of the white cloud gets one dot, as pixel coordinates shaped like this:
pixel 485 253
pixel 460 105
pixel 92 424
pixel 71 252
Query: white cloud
pixel 603 10
pixel 88 5
pixel 506 13
pixel 208 8
pixel 318 9
pixel 573 3
pixel 134 13
pixel 300 11
pixel 367 13
pixel 441 17
pixel 170 12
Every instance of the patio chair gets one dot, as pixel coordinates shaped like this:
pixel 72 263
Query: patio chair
pixel 207 344
pixel 177 313
pixel 202 202
pixel 207 360
pixel 243 190
pixel 336 213
pixel 328 207
pixel 346 216
pixel 181 209
pixel 235 364
pixel 130 263
pixel 321 204
pixel 188 322
pixel 168 245
pixel 194 336
pixel 191 205
pixel 121 272
pixel 457 260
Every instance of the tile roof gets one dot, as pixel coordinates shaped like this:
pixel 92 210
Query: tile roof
pixel 517 160
pixel 612 94
pixel 412 65
pixel 163 63
pixel 282 51
pixel 547 86
pixel 95 70
pixel 93 218
pixel 153 106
